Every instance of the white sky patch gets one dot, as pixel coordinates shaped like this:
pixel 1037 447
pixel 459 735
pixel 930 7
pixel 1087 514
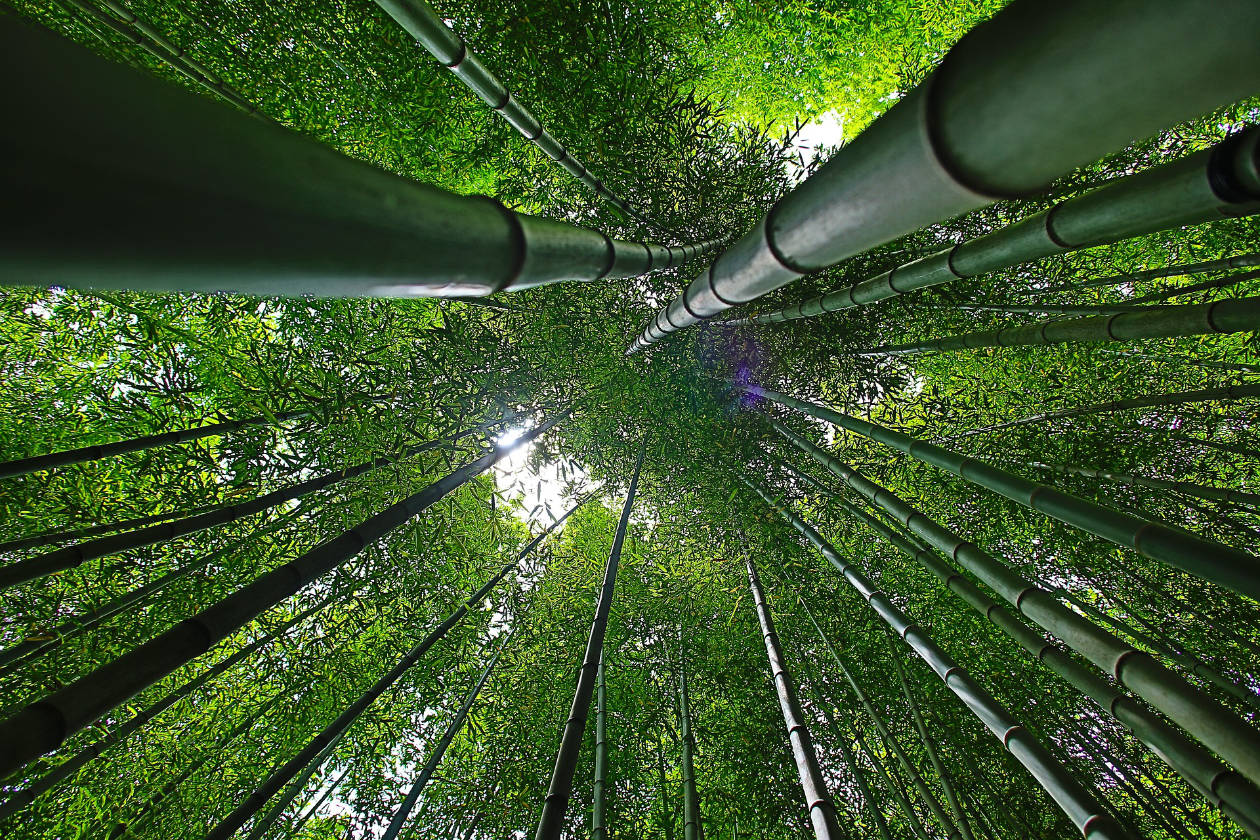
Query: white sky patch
pixel 542 492
pixel 825 132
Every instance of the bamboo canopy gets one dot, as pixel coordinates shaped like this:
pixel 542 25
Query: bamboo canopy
pixel 278 214
pixel 999 118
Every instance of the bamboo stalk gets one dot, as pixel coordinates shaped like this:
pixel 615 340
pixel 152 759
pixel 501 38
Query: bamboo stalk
pixel 1200 491
pixel 1221 564
pixel 1202 716
pixel 46 723
pixel 1195 189
pixel 423 23
pixel 36 463
pixel 60 559
pixel 551 821
pixel 435 758
pixel 859 774
pixel 50 537
pixel 263 824
pixel 692 827
pixel 1080 806
pixel 1000 117
pixel 1225 392
pixel 277 213
pixel 822 813
pixel 1184 269
pixel 1220 317
pixel 599 804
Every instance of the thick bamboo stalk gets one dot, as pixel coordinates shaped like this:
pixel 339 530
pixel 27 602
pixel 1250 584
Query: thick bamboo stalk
pixel 692 828
pixel 36 463
pixel 333 731
pixel 45 724
pixel 32 647
pixel 1192 190
pixel 1221 564
pixel 822 813
pixel 435 758
pixel 423 23
pixel 1184 269
pixel 68 557
pixel 276 213
pixel 1220 317
pixel 599 789
pixel 20 799
pixel 947 826
pixel 1225 392
pixel 1080 806
pixel 1200 491
pixel 929 746
pixel 1002 116
pixel 1137 671
pixel 556 804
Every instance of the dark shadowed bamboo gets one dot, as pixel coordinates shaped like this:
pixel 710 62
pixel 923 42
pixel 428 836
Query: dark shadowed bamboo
pixel 50 537
pixel 68 557
pixel 1221 564
pixel 1135 670
pixel 1080 806
pixel 1224 392
pixel 822 813
pixel 1000 117
pixel 77 625
pixel 692 829
pixel 20 799
pixel 1184 269
pixel 277 213
pixel 1219 318
pixel 1198 188
pixel 107 450
pixel 556 804
pixel 435 758
pixel 423 23
pixel 308 754
pixel 599 788
pixel 903 758
pixel 45 724
pixel 1200 491
pixel 263 824
pixel 1038 309
pixel 295 831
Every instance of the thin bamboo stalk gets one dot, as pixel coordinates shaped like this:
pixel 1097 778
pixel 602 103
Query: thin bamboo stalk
pixel 435 758
pixel 1201 491
pixel 36 463
pixel 1221 564
pixel 1034 309
pixel 692 827
pixel 1183 360
pixel 1182 270
pixel 317 804
pixel 278 213
pixel 551 821
pixel 50 537
pixel 46 723
pixel 423 23
pixel 1184 192
pixel 1225 282
pixel 929 747
pixel 892 784
pixel 859 774
pixel 1080 806
pixel 333 731
pixel 1133 669
pixel 1000 117
pixel 68 557
pixel 822 813
pixel 1198 395
pixel 1221 317
pixel 264 823
pixel 599 793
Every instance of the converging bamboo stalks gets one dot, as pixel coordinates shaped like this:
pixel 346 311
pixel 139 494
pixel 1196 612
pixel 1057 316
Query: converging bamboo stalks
pixel 1182 270
pixel 1202 187
pixel 1000 117
pixel 1078 804
pixel 44 724
pixel 278 214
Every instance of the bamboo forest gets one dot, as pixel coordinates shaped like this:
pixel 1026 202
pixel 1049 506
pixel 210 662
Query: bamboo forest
pixel 630 419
